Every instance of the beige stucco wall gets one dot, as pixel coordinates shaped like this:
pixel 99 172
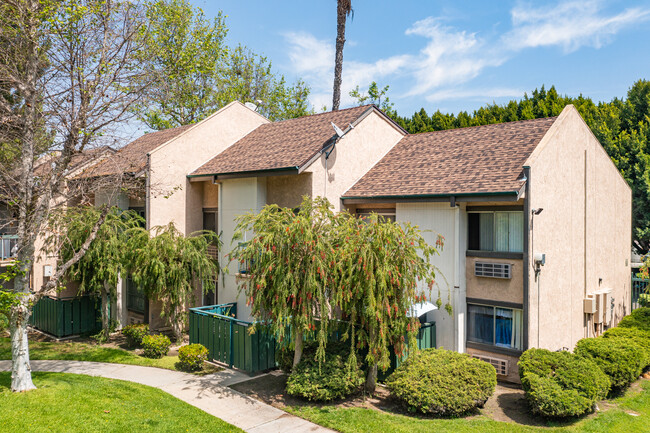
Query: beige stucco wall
pixel 172 197
pixel 356 153
pixel 496 289
pixel 288 191
pixel 210 195
pixel 584 230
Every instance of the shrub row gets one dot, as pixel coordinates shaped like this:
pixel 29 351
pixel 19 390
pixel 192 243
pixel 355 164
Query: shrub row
pixel 155 346
pixel 619 358
pixel 332 379
pixel 443 383
pixel 135 333
pixel 561 384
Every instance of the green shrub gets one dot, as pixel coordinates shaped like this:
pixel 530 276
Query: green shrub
pixel 640 337
pixel 135 333
pixel 192 357
pixel 442 382
pixel 155 346
pixel 561 384
pixel 644 300
pixel 620 359
pixel 4 323
pixel 333 379
pixel 639 318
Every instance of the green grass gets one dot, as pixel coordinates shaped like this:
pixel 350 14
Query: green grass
pixel 70 351
pixel 77 403
pixel 360 420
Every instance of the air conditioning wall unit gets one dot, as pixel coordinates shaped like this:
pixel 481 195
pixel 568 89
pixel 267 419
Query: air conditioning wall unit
pixel 499 364
pixel 493 270
pixel 603 313
pixel 590 305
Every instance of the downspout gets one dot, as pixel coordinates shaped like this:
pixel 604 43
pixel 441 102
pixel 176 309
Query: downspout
pixel 457 310
pixel 527 216
pixel 147 189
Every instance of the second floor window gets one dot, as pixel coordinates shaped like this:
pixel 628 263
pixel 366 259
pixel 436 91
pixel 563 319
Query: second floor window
pixel 496 231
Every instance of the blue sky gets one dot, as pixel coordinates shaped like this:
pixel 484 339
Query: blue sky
pixel 450 55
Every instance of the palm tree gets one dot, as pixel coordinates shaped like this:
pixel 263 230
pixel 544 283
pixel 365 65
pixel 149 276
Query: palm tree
pixel 344 8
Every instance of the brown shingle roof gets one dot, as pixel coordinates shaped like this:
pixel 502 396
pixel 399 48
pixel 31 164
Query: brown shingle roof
pixel 285 144
pixel 77 161
pixel 132 158
pixel 482 159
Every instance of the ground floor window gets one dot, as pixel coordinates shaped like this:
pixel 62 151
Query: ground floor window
pixel 496 326
pixel 135 298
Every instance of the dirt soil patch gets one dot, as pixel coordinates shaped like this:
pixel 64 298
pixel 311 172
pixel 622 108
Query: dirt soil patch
pixel 506 404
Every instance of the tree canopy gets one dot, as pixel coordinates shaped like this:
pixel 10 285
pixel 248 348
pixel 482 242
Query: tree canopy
pixel 622 126
pixel 196 72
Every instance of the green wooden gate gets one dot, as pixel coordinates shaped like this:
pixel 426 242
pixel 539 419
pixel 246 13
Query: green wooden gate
pixel 63 317
pixel 228 339
pixel 639 286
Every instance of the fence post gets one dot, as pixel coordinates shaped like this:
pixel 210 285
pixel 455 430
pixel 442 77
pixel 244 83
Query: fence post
pixel 232 346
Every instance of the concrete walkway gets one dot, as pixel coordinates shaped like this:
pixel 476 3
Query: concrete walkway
pixel 209 393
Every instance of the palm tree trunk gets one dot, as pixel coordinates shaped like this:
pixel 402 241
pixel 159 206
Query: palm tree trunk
pixel 343 9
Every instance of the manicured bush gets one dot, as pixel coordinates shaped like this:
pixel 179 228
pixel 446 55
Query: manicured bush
pixel 639 318
pixel 192 357
pixel 441 382
pixel 561 384
pixel 620 359
pixel 640 337
pixel 331 380
pixel 135 333
pixel 155 346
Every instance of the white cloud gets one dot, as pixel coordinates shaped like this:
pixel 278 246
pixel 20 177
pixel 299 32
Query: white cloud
pixel 570 25
pixel 450 58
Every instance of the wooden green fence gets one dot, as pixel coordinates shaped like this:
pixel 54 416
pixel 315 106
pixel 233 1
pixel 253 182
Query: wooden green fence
pixel 639 286
pixel 63 317
pixel 229 341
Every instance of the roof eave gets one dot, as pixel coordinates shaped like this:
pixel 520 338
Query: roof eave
pixel 281 171
pixel 453 197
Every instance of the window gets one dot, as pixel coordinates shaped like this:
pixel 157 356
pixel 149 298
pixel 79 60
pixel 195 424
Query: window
pixel 495 326
pixel 135 298
pixel 496 231
pixel 141 212
pixel 210 224
pixel 383 214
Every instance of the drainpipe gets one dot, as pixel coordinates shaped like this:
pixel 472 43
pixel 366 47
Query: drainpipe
pixel 147 189
pixel 527 217
pixel 458 311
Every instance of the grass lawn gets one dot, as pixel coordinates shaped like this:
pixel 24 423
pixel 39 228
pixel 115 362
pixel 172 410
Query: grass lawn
pixel 70 351
pixel 76 403
pixel 360 420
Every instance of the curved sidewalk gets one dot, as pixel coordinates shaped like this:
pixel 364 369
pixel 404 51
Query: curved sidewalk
pixel 209 393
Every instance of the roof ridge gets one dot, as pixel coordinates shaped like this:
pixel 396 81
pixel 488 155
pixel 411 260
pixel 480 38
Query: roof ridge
pixel 463 128
pixel 366 106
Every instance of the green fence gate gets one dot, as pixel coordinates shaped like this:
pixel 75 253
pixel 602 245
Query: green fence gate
pixel 63 317
pixel 639 286
pixel 228 339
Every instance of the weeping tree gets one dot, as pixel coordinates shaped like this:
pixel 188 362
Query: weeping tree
pixel 385 268
pixel 290 258
pixel 99 269
pixel 170 266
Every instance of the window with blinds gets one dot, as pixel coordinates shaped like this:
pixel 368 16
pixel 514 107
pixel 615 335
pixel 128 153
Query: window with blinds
pixel 496 231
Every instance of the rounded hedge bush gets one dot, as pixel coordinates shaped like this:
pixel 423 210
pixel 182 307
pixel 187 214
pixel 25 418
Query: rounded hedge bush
pixel 620 359
pixel 561 384
pixel 334 379
pixel 639 318
pixel 155 346
pixel 638 336
pixel 441 382
pixel 134 333
pixel 192 357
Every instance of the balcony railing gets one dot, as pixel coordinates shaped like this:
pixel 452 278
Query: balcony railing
pixel 8 246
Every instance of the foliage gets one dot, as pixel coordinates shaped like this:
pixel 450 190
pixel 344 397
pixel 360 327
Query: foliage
pixel 169 266
pixel 622 126
pixel 639 318
pixel 331 379
pixel 196 73
pixel 442 382
pixel 644 300
pixel 291 257
pixel 374 96
pixel 135 333
pixel 383 267
pixel 620 359
pixel 192 357
pixel 638 336
pixel 561 384
pixel 68 403
pixel 102 336
pixel 155 346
